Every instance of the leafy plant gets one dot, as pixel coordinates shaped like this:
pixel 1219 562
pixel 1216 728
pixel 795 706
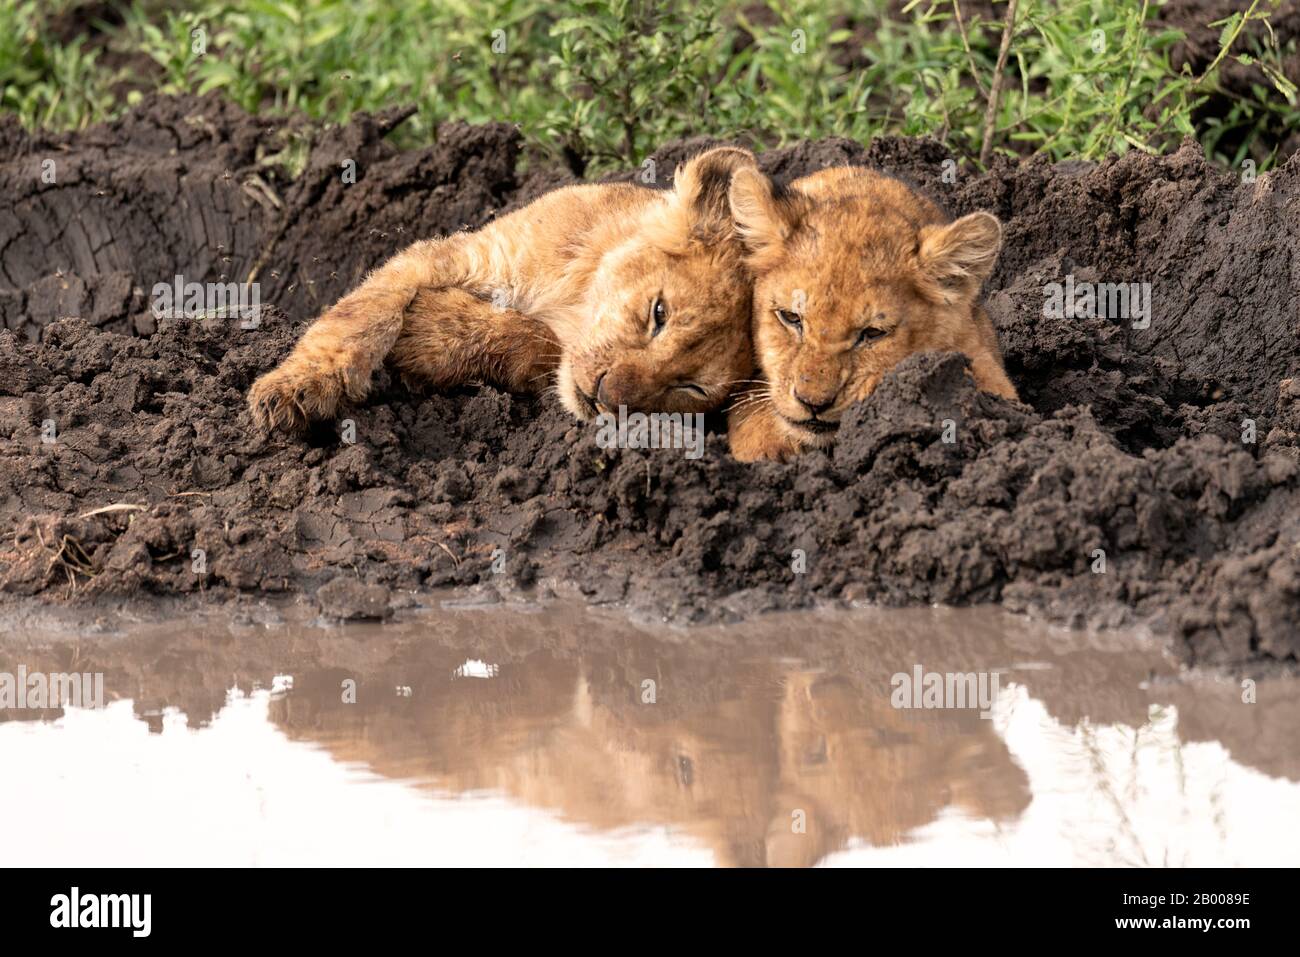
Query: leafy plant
pixel 59 85
pixel 599 83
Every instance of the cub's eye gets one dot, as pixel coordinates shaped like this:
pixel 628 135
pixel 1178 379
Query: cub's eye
pixel 871 334
pixel 792 321
pixel 658 316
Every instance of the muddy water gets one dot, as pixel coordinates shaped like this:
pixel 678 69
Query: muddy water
pixel 566 735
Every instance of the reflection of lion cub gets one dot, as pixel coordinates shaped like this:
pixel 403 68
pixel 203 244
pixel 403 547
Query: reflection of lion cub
pixel 773 765
pixel 637 297
pixel 854 271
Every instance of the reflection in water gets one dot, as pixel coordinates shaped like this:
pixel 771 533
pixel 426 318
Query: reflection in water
pixel 771 749
pixel 566 736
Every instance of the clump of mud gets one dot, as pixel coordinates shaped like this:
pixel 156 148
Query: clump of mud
pixel 1150 474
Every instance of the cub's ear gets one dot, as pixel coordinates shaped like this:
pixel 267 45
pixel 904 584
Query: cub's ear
pixel 701 185
pixel 956 258
pixel 765 216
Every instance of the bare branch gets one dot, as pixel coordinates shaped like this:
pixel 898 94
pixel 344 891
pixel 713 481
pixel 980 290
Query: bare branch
pixel 970 55
pixel 995 85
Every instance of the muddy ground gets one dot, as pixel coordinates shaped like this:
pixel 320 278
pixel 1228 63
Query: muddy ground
pixel 1136 442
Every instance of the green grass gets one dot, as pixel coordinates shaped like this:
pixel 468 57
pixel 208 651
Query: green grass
pixel 602 83
pixel 45 82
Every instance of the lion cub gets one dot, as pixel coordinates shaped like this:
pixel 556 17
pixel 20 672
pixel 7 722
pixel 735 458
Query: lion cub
pixel 853 272
pixel 629 296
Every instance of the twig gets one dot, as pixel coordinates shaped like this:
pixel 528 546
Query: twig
pixel 943 108
pixel 1241 25
pixel 1112 122
pixel 995 84
pixel 115 507
pixel 970 54
pixel 455 561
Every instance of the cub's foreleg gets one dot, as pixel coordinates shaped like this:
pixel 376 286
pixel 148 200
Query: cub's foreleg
pixel 340 351
pixel 453 336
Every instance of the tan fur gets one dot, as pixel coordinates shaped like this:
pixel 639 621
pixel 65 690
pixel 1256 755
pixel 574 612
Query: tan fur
pixel 564 286
pixel 845 249
pixel 730 770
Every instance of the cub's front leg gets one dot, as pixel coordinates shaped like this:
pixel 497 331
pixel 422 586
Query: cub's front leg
pixel 452 336
pixel 755 434
pixel 340 351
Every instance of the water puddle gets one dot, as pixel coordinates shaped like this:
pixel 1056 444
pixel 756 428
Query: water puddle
pixel 569 736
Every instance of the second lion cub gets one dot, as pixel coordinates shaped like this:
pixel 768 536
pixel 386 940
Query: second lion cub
pixel 631 296
pixel 854 271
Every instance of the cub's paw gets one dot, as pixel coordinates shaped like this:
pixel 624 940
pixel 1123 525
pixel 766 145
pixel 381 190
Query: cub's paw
pixel 290 399
pixel 752 443
pixel 763 452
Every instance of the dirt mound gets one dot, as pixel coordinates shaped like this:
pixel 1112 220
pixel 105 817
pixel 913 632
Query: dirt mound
pixel 1151 474
pixel 90 222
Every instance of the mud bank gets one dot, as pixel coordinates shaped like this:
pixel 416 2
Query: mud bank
pixel 1172 448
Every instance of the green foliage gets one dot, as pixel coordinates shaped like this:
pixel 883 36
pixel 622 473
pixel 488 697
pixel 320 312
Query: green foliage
pixel 601 82
pixel 1084 79
pixel 625 61
pixel 45 82
pixel 1253 121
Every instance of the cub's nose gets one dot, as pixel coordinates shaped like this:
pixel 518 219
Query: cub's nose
pixel 622 385
pixel 814 406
